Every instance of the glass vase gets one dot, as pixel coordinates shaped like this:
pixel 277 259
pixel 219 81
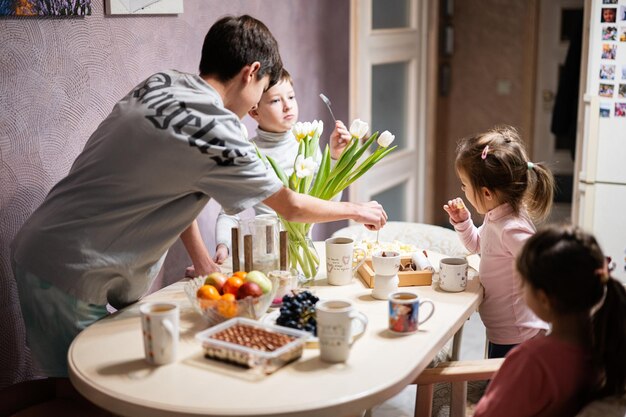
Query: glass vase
pixel 304 257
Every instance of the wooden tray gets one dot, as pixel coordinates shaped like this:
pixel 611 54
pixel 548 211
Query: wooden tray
pixel 407 278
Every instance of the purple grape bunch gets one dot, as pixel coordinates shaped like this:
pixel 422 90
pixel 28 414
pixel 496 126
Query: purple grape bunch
pixel 298 312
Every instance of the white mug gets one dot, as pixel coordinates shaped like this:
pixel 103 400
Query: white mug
pixel 453 274
pixel 386 262
pixel 160 322
pixel 334 328
pixel 342 260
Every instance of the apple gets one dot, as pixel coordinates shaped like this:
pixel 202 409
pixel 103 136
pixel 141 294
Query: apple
pixel 217 279
pixel 249 289
pixel 260 279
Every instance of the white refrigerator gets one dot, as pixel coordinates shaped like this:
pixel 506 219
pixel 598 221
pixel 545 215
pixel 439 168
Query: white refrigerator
pixel 600 192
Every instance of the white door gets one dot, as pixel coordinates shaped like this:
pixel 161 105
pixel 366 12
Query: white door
pixel 554 18
pixel 387 89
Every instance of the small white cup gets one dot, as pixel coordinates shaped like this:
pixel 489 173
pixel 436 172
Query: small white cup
pixel 453 274
pixel 386 262
pixel 334 328
pixel 160 322
pixel 342 260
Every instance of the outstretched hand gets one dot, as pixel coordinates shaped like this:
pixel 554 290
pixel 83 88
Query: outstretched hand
pixel 221 253
pixel 456 210
pixel 195 271
pixel 371 214
pixel 339 139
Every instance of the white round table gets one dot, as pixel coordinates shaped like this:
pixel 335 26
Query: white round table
pixel 107 366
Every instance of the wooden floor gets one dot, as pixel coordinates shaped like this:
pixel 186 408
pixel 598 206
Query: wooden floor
pixel 403 404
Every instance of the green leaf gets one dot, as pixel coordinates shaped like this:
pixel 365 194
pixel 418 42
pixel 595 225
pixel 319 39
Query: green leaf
pixel 364 168
pixel 322 173
pixel 345 155
pixel 332 187
pixel 278 170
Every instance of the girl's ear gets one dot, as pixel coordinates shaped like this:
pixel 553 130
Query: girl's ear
pixel 487 194
pixel 544 300
pixel 254 112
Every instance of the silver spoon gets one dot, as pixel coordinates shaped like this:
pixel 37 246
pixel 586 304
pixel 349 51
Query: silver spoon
pixel 327 102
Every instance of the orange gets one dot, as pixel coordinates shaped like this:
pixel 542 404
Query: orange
pixel 240 274
pixel 227 306
pixel 232 285
pixel 208 292
pixel 228 297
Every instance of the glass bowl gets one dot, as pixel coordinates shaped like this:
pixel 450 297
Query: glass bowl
pixel 217 311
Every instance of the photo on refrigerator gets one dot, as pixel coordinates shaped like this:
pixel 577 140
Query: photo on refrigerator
pixel 607 71
pixel 605 109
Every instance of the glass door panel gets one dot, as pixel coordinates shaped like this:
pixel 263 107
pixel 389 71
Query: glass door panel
pixel 394 201
pixel 390 14
pixel 389 100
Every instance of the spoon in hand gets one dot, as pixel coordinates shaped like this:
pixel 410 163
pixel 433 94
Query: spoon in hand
pixel 327 102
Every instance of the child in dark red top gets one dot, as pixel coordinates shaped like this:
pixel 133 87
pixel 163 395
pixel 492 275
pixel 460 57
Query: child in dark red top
pixel 566 282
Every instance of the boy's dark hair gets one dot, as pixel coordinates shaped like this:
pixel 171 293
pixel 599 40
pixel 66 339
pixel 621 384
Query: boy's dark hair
pixel 234 42
pixel 497 160
pixel 285 76
pixel 568 265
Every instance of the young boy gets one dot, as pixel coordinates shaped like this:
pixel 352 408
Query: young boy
pixel 171 144
pixel 276 114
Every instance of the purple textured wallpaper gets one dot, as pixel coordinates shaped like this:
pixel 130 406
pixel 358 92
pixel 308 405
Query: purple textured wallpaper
pixel 59 78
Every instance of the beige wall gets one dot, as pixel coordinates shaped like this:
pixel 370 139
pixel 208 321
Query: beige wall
pixel 493 42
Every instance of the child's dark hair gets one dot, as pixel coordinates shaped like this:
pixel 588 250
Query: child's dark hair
pixel 569 266
pixel 497 160
pixel 234 42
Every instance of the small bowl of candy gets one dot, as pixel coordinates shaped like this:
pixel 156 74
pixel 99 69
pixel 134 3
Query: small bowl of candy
pixel 262 347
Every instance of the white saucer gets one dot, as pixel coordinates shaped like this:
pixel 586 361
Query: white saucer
pixel 313 342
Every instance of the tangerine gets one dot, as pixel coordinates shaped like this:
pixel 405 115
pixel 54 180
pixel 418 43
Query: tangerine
pixel 228 297
pixel 227 306
pixel 240 274
pixel 232 285
pixel 208 292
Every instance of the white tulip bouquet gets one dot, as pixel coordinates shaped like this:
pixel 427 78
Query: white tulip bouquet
pixel 329 180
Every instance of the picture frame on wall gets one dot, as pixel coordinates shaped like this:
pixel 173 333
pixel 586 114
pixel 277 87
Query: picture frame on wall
pixel 61 8
pixel 128 7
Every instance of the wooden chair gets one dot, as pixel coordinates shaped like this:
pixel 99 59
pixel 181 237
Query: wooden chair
pixel 458 373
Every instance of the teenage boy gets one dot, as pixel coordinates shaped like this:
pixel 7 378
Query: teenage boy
pixel 171 144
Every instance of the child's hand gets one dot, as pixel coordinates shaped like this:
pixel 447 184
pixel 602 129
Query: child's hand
pixel 339 139
pixel 456 210
pixel 221 253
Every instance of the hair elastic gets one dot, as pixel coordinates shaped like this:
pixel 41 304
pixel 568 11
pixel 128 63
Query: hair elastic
pixel 485 151
pixel 530 165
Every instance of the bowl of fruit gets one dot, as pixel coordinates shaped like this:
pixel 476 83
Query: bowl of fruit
pixel 219 297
